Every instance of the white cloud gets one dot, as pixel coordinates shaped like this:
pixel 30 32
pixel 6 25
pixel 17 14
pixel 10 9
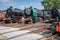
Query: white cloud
pixel 22 7
pixel 4 0
pixel 8 2
pixel 31 4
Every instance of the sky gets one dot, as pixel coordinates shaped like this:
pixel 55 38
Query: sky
pixel 4 4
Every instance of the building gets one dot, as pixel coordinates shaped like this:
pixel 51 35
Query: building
pixel 2 14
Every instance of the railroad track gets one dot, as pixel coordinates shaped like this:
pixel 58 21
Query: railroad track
pixel 25 28
pixel 45 35
pixel 20 30
pixel 32 29
pixel 48 35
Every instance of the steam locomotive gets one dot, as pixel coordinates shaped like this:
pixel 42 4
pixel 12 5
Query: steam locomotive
pixel 26 13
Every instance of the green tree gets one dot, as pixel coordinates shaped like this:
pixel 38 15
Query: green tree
pixel 50 4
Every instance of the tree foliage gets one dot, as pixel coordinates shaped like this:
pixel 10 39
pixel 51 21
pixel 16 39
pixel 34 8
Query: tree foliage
pixel 50 4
